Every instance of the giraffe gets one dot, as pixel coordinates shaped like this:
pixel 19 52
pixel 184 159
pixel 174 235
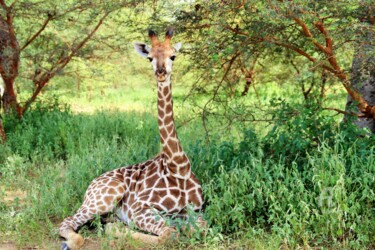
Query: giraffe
pixel 140 193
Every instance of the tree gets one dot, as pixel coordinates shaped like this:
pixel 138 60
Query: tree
pixel 238 34
pixel 38 39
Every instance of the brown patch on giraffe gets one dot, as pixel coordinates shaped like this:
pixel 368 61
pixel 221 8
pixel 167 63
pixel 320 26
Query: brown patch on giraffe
pixel 161 103
pixel 200 192
pixel 173 182
pixel 189 184
pixel 160 96
pixel 180 159
pixel 159 184
pixel 155 199
pixel 131 198
pixel 168 119
pixel 184 171
pixel 160 112
pixel 168 109
pixel 166 91
pixel 175 192
pixel 112 191
pixel 162 193
pixel 140 186
pixel 174 135
pixel 168 203
pixel 102 208
pixel 130 214
pixel 152 180
pixel 173 168
pixel 108 200
pixel 182 200
pixel 147 163
pixel 193 196
pixel 174 146
pixel 119 176
pixel 170 128
pixel 168 98
pixel 163 133
pixel 113 183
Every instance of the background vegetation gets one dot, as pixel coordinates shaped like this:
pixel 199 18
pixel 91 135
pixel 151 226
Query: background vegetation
pixel 258 104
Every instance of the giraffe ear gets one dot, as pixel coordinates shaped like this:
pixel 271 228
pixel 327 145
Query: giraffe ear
pixel 177 46
pixel 142 49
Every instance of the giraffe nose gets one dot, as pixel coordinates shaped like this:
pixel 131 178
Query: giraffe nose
pixel 161 71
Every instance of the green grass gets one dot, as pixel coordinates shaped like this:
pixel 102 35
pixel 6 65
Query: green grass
pixel 304 184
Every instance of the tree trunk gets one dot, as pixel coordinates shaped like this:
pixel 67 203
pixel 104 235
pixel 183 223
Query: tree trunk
pixel 2 132
pixel 2 90
pixel 9 62
pixel 363 78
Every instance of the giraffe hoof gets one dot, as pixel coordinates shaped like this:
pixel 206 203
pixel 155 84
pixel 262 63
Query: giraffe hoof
pixel 64 246
pixel 169 235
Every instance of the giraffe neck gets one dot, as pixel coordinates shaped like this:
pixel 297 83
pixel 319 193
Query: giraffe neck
pixel 176 159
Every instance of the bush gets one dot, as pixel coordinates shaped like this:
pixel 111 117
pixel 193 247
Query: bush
pixel 309 182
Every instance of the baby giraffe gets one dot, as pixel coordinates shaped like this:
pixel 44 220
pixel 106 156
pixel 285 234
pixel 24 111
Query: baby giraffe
pixel 139 194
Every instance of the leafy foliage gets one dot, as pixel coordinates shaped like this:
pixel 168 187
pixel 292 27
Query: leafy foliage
pixel 314 188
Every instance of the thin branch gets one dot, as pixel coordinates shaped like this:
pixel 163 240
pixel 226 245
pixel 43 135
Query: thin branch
pixel 61 63
pixel 49 18
pixel 12 4
pixel 345 112
pixel 292 47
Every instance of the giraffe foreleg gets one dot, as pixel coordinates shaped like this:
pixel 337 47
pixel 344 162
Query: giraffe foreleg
pixel 150 221
pixel 68 230
pixel 99 200
pixel 200 226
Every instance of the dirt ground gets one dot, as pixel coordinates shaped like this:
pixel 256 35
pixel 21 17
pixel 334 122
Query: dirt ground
pixel 89 245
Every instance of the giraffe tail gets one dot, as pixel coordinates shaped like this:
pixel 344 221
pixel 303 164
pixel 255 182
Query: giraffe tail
pixel 73 240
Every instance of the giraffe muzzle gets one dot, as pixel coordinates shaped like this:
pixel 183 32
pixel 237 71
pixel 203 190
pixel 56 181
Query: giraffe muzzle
pixel 161 75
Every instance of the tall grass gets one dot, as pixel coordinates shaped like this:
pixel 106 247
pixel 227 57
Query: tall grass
pixel 305 183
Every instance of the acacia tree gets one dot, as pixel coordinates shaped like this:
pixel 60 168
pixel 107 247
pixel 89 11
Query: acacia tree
pixel 238 34
pixel 38 39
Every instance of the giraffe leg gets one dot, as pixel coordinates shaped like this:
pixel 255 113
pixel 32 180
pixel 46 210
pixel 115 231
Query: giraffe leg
pixel 120 231
pixel 149 221
pixel 99 200
pixel 200 226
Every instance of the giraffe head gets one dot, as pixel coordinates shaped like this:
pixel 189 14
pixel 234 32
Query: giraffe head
pixel 161 54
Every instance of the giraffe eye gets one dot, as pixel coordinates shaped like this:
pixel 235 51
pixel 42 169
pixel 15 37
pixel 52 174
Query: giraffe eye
pixel 173 57
pixel 150 59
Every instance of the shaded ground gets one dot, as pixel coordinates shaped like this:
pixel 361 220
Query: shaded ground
pixel 12 196
pixel 89 245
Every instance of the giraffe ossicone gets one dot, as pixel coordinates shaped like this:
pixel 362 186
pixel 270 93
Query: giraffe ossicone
pixel 139 194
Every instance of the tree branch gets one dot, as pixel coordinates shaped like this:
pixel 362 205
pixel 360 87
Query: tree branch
pixel 49 18
pixel 43 80
pixel 345 112
pixel 336 69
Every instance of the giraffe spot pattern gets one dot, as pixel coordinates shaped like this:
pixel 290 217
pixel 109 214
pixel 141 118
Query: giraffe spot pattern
pixel 138 193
